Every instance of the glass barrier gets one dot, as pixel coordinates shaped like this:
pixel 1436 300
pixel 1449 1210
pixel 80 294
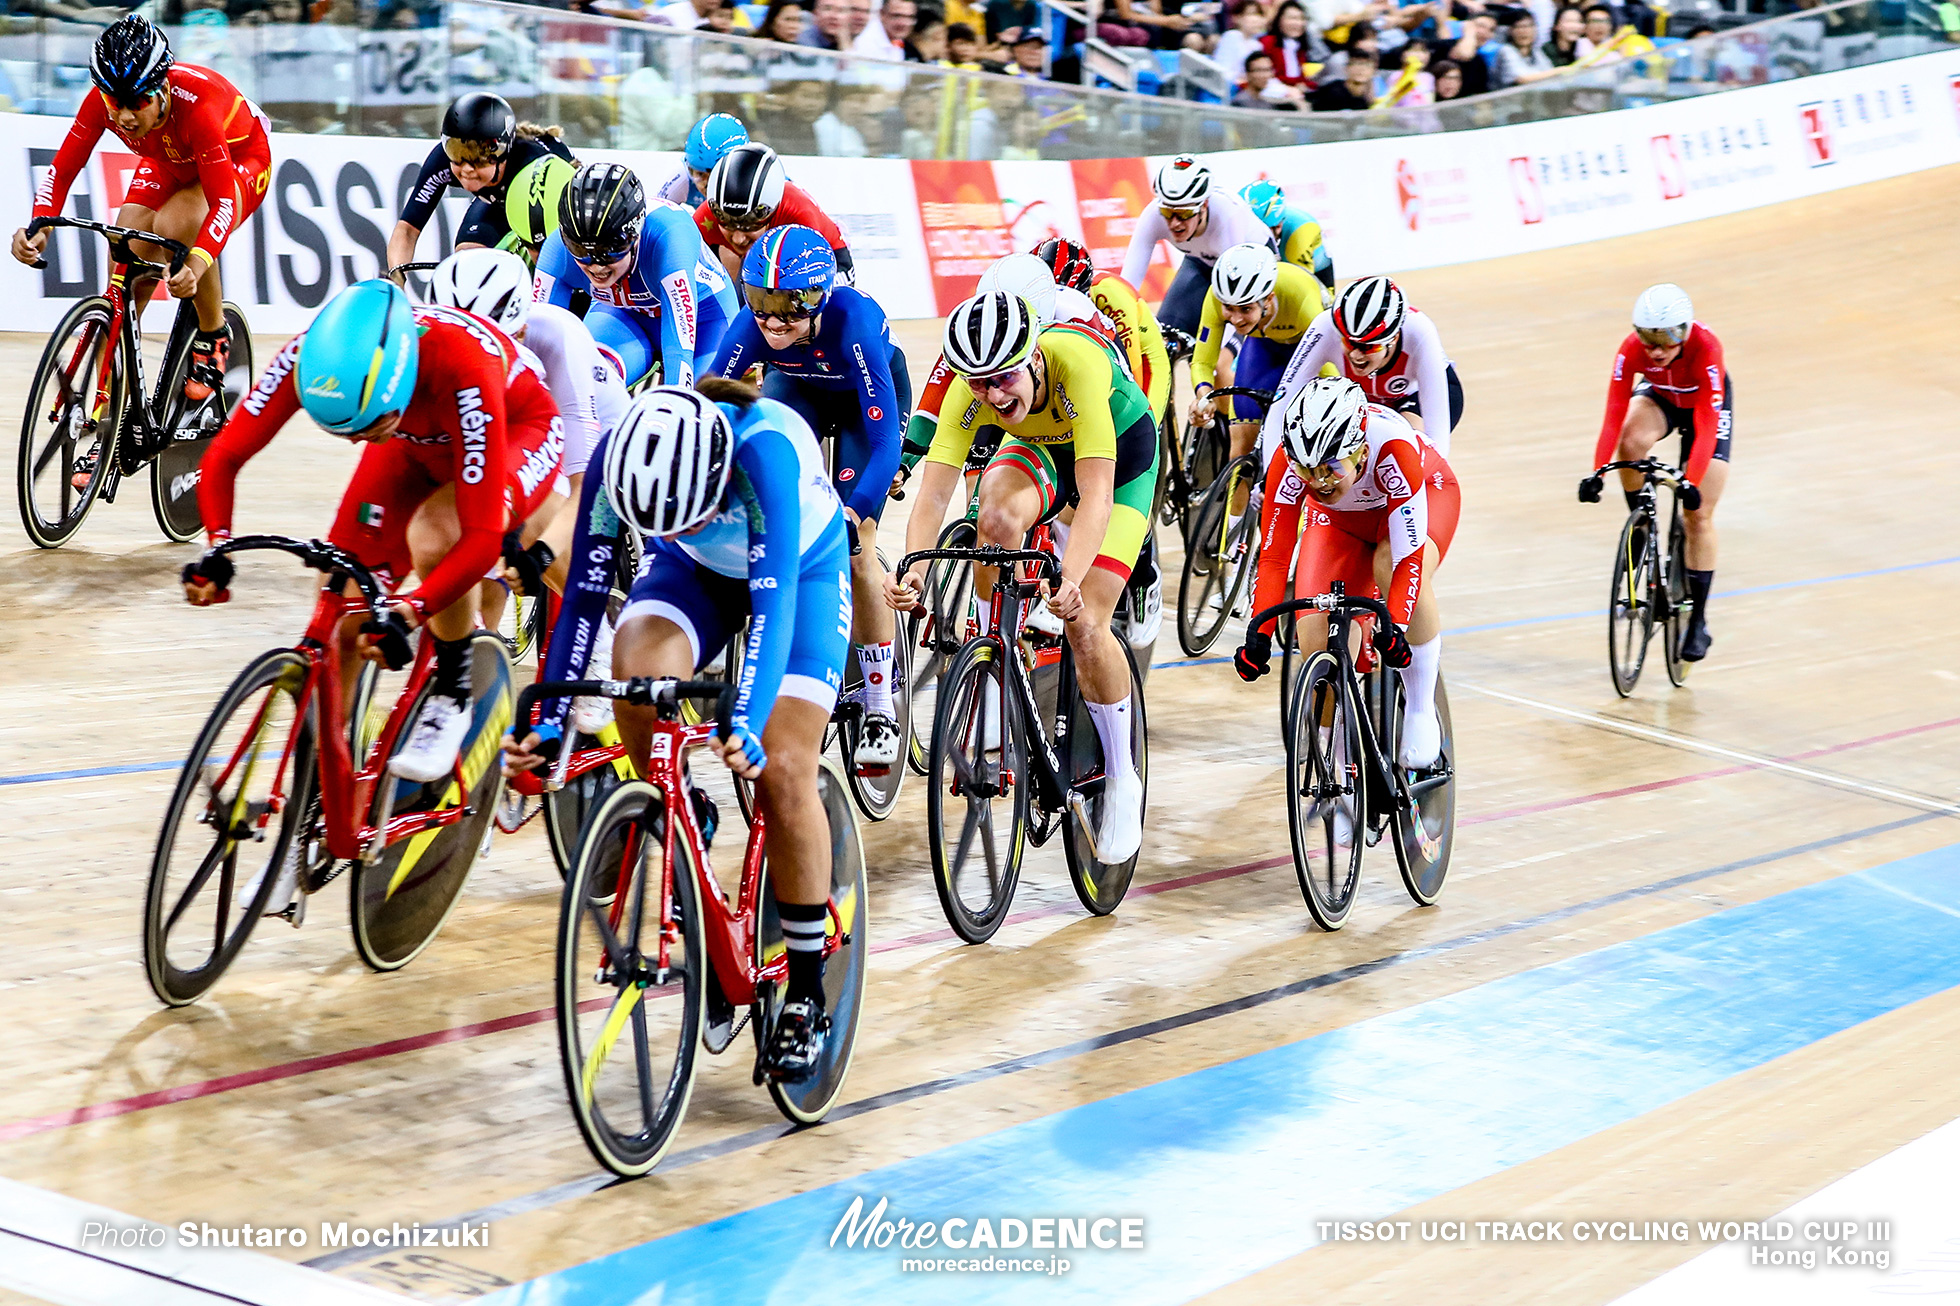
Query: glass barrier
pixel 388 68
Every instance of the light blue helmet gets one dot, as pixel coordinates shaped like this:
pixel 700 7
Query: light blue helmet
pixel 357 363
pixel 1266 199
pixel 712 137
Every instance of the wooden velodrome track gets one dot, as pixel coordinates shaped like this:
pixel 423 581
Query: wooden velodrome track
pixel 1816 741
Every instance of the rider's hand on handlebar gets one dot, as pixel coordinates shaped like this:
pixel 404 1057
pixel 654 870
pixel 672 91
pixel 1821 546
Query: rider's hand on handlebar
pixel 208 580
pixel 1690 496
pixel 28 249
pixel 1202 409
pixel 184 283
pixel 1589 489
pixel 1255 657
pixel 539 748
pixel 902 593
pixel 1066 601
pixel 1393 645
pixel 742 751
pixel 386 642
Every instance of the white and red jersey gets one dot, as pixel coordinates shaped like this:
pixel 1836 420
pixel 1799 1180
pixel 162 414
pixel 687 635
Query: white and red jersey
pixel 1389 501
pixel 1419 368
pixel 1697 380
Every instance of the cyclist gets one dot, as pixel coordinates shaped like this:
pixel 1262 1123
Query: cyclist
pixel 1077 430
pixel 656 295
pixel 1200 225
pixel 1669 376
pixel 831 358
pixel 584 383
pixel 1136 326
pixel 531 206
pixel 483 148
pixel 461 442
pixel 204 164
pixel 707 142
pixel 1390 350
pixel 729 492
pixel 1298 232
pixel 1359 475
pixel 747 193
pixel 1270 305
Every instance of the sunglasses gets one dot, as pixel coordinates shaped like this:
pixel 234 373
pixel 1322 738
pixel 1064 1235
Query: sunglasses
pixel 1328 475
pixel 472 151
pixel 984 385
pixel 597 257
pixel 789 305
pixel 1661 337
pixel 135 104
pixel 750 220
pixel 1179 215
pixel 1370 348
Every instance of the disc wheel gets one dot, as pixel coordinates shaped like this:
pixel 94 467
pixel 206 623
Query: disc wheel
pixel 174 473
pixel 66 420
pixel 628 1020
pixel 245 789
pixel 1326 790
pixel 1629 605
pixel 401 899
pixel 1100 885
pixel 977 807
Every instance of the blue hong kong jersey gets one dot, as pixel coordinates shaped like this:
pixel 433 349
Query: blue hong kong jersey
pixel 851 350
pixel 778 508
pixel 673 274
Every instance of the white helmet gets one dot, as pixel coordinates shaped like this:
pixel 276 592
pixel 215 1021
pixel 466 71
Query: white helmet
pixel 1182 183
pixel 1244 274
pixel 989 334
pixel 667 463
pixel 1370 311
pixel 1324 421
pixel 1026 276
pixel 491 283
pixel 1663 314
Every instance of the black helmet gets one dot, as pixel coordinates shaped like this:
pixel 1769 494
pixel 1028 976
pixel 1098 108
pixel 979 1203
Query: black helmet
pixel 478 128
pixel 130 61
pixel 746 187
pixel 600 212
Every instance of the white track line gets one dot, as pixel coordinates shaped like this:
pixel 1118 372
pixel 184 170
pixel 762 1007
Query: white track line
pixel 1690 744
pixel 42 1255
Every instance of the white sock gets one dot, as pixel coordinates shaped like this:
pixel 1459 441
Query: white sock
pixel 875 661
pixel 1113 728
pixel 599 665
pixel 1419 677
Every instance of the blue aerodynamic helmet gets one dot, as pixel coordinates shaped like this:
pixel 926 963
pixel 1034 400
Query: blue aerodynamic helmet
pixel 1266 199
pixel 358 361
pixel 712 137
pixel 789 273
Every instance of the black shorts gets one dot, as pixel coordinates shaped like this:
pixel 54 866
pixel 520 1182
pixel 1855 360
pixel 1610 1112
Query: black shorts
pixel 1412 401
pixel 484 224
pixel 1683 419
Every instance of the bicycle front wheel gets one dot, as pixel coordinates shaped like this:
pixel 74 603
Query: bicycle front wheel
pixel 244 790
pixel 1425 834
pixel 1219 558
pixel 71 417
pixel 1326 789
pixel 629 1018
pixel 1629 610
pixel 1099 885
pixel 1674 595
pixel 933 636
pixel 977 809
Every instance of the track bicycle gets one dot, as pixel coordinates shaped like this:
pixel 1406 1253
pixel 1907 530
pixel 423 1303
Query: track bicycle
pixel 997 778
pixel 653 958
pixel 874 792
pixel 1650 586
pixel 1175 489
pixel 287 766
pixel 1344 787
pixel 1221 557
pixel 88 417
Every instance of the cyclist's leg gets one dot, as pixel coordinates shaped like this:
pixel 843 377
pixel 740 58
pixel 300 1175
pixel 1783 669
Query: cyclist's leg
pixel 901 381
pixel 1421 731
pixel 372 523
pixel 1262 363
pixel 1184 302
pixel 1333 547
pixel 677 616
pixel 1646 423
pixel 1017 490
pixel 633 338
pixel 484 226
pixel 1700 525
pixel 181 218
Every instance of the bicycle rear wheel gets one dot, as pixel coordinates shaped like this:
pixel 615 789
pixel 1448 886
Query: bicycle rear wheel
pixel 401 899
pixel 1674 593
pixel 66 420
pixel 875 795
pixel 1218 560
pixel 977 807
pixel 1326 790
pixel 174 474
pixel 627 1024
pixel 1629 612
pixel 215 865
pixel 809 1101
pixel 1099 885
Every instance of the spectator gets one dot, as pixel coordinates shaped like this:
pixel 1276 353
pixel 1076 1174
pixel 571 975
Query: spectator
pixel 1355 91
pixel 1466 52
pixel 1600 25
pixel 928 43
pixel 1408 22
pixel 727 20
pixel 1262 90
pixel 1567 45
pixel 1248 25
pixel 1449 79
pixel 830 22
pixel 1360 37
pixel 1006 19
pixel 686 15
pixel 1520 62
pixel 855 123
pixel 1412 87
pixel 963 48
pixel 926 106
pixel 1287 44
pixel 1163 31
pixel 898 20
pixel 1030 54
pixel 782 21
pixel 787 116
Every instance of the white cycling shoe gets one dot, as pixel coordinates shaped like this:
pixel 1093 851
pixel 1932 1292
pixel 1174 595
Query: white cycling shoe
pixel 1145 629
pixel 1042 620
pixel 591 714
pixel 877 750
pixel 1422 741
pixel 434 743
pixel 1121 832
pixel 285 885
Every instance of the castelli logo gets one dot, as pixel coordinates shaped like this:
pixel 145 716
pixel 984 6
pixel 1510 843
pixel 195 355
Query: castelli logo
pixel 1408 193
pixel 875 413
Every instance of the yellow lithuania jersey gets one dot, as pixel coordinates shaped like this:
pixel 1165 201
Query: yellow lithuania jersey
pixel 1137 330
pixel 1298 292
pixel 1090 401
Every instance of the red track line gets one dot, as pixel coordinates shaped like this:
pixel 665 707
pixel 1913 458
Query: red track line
pixel 435 1038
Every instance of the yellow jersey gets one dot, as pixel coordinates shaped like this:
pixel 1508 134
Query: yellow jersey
pixel 1137 330
pixel 1091 400
pixel 1298 293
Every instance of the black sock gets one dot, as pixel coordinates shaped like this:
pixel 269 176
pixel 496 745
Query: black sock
pixel 1699 583
pixel 803 937
pixel 1633 499
pixel 452 674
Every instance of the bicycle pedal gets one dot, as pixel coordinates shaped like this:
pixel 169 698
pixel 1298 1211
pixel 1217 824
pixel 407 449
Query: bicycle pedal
pixel 295 911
